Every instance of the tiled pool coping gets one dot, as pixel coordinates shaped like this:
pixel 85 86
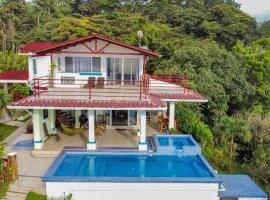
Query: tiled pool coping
pixel 49 177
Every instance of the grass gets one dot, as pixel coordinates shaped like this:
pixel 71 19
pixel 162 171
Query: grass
pixel 6 130
pixel 35 196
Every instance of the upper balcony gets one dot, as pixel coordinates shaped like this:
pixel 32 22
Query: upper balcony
pixel 149 92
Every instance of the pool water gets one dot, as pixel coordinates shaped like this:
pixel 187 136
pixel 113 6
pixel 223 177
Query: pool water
pixel 102 165
pixel 177 142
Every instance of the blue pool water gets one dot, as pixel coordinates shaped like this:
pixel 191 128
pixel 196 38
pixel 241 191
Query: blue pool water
pixel 102 165
pixel 177 142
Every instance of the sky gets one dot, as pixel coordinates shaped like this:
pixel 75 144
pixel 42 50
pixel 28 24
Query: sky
pixel 256 8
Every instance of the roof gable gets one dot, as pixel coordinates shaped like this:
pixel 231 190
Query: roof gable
pixel 54 47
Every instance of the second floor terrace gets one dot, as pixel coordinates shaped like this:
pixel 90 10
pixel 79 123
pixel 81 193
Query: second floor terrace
pixel 149 91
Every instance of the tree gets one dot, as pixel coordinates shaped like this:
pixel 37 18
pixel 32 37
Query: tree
pixel 227 24
pixel 214 72
pixel 264 29
pixel 4 101
pixel 230 128
pixel 256 59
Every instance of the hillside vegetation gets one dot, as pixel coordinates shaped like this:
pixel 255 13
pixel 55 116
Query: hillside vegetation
pixel 222 49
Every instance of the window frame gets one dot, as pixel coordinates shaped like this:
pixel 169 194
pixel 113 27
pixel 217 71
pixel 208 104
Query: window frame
pixel 34 63
pixel 78 57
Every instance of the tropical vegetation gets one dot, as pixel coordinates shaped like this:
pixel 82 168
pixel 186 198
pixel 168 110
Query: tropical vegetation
pixel 223 50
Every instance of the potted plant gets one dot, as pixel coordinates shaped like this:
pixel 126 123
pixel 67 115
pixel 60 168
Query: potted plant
pixel 52 72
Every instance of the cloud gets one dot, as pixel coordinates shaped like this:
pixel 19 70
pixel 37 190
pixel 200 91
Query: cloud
pixel 255 7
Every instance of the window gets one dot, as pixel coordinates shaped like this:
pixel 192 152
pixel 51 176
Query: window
pixel 96 64
pixel 34 66
pixel 83 64
pixel 69 64
pixel 59 64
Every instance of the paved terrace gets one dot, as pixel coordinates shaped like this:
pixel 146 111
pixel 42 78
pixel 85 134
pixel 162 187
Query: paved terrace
pixel 112 96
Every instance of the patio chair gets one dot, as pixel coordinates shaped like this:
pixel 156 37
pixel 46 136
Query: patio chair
pixel 91 80
pixel 100 82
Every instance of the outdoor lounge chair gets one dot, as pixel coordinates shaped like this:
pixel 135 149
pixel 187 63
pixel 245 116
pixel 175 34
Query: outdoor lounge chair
pixel 100 82
pixel 91 80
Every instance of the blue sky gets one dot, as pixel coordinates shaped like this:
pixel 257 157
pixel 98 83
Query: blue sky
pixel 256 8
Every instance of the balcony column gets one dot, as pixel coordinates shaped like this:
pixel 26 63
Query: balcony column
pixel 38 128
pixel 171 116
pixel 51 120
pixel 5 87
pixel 77 117
pixel 92 144
pixel 142 143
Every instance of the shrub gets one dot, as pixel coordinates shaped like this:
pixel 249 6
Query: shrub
pixel 35 196
pixel 191 123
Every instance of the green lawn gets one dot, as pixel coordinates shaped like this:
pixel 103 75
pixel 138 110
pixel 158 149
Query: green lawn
pixel 6 130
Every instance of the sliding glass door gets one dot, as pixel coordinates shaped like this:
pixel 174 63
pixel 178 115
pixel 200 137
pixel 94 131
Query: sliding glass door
pixel 131 70
pixel 123 70
pixel 114 70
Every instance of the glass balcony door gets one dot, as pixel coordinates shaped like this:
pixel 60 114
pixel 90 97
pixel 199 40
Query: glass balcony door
pixel 123 70
pixel 131 71
pixel 114 70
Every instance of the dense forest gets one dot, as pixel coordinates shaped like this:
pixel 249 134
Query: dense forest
pixel 222 49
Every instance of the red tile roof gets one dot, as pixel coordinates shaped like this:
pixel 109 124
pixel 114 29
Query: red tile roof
pixel 188 96
pixel 35 46
pixel 32 102
pixel 43 48
pixel 14 75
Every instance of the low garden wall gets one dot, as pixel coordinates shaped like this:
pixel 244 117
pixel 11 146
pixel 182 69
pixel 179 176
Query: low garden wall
pixel 8 172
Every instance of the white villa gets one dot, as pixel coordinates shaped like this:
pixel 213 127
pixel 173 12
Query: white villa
pixel 106 78
pixel 100 87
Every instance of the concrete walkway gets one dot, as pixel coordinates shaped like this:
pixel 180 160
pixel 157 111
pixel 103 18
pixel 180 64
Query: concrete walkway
pixel 30 169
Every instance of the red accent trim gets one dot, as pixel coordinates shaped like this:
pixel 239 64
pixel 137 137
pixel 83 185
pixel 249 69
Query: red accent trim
pixel 14 75
pixel 95 45
pixel 106 45
pixel 86 46
pixel 79 52
pixel 33 102
pixel 63 45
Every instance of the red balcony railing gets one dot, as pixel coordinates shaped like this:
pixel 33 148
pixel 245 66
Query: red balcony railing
pixel 101 89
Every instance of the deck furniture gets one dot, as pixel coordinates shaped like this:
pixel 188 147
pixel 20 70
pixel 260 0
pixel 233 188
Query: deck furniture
pixel 100 82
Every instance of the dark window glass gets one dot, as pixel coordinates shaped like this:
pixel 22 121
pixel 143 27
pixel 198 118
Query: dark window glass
pixel 69 64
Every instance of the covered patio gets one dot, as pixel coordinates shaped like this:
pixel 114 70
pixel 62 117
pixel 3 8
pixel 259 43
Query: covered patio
pixel 111 138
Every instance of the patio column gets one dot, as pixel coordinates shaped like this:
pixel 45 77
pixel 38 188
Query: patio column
pixel 92 144
pixel 5 87
pixel 77 117
pixel 171 117
pixel 142 143
pixel 51 120
pixel 38 128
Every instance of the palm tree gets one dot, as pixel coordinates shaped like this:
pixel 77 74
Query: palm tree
pixel 231 128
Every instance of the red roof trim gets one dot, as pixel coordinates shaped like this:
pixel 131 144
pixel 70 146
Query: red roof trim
pixel 190 95
pixel 66 44
pixel 35 46
pixel 86 104
pixel 14 75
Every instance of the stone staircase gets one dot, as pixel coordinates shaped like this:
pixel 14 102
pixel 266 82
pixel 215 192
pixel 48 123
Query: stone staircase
pixel 66 118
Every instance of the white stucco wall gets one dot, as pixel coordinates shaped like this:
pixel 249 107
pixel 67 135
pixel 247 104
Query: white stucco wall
pixel 43 66
pixel 43 62
pixel 134 191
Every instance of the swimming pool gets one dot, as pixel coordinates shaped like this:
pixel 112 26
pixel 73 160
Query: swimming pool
pixel 85 166
pixel 176 144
